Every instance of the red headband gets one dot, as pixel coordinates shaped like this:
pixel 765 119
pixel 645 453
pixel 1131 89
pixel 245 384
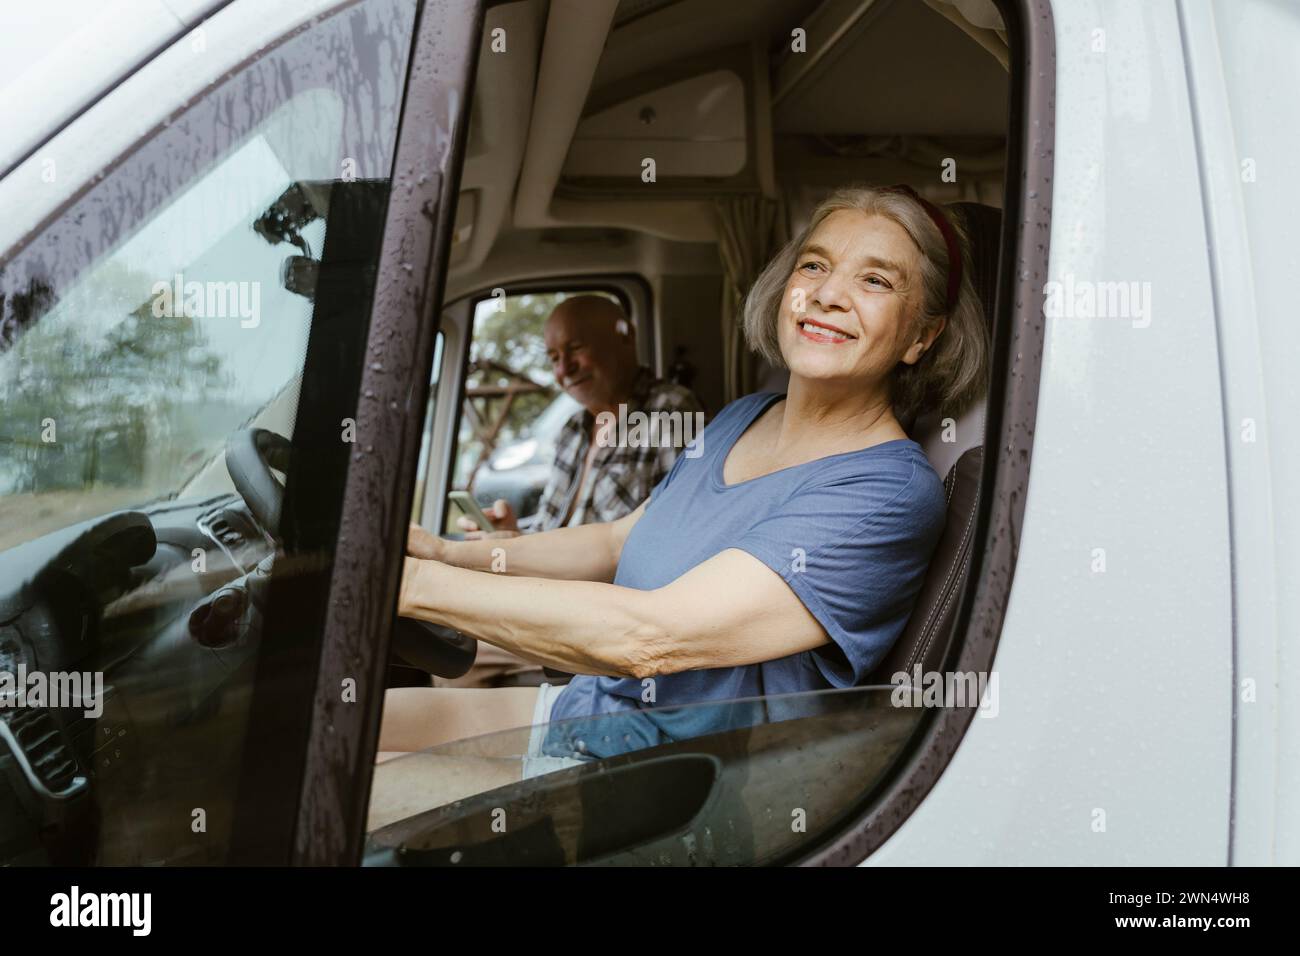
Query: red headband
pixel 949 240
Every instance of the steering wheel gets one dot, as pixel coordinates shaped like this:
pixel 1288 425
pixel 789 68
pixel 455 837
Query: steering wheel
pixel 251 454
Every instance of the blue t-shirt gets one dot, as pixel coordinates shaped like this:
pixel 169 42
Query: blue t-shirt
pixel 851 534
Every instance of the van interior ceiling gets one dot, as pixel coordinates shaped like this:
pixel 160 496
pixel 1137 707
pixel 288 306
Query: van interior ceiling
pixel 683 140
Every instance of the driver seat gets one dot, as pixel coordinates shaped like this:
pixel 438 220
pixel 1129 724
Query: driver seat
pixel 929 632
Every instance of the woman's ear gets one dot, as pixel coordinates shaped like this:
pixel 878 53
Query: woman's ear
pixel 922 345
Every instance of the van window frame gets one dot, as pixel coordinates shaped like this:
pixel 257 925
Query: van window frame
pixel 330 825
pixel 336 789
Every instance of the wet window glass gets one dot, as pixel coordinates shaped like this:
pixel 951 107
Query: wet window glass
pixel 790 770
pixel 180 352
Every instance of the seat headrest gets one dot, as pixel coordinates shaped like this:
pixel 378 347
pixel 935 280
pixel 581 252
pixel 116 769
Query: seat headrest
pixel 983 225
pixel 984 228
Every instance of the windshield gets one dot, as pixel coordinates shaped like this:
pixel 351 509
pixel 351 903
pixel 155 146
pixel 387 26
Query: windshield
pixel 123 387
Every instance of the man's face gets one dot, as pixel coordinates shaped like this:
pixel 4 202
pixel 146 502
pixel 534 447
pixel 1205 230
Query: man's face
pixel 590 359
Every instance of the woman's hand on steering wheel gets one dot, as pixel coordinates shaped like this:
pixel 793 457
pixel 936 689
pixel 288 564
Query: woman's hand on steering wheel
pixel 411 584
pixel 434 648
pixel 423 544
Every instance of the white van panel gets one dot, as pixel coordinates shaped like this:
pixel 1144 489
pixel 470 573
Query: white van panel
pixel 1112 741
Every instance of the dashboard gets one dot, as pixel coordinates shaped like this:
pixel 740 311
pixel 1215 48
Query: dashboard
pixel 125 640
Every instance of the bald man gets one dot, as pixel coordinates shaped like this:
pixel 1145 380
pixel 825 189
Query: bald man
pixel 591 345
pixel 592 349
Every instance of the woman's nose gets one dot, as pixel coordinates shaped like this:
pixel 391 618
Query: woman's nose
pixel 832 293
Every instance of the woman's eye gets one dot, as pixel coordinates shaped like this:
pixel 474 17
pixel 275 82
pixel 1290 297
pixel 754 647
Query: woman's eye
pixel 876 282
pixel 810 265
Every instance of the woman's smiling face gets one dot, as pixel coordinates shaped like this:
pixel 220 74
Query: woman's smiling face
pixel 858 282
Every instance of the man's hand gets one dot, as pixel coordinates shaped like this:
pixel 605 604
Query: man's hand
pixel 504 522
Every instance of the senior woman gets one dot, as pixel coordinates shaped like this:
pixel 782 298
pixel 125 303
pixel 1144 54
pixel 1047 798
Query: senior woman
pixel 782 555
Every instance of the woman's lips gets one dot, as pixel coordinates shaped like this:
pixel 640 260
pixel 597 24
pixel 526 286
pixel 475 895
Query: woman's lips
pixel 826 334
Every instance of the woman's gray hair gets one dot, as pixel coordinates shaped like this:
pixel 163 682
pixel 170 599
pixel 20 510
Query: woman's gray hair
pixel 954 370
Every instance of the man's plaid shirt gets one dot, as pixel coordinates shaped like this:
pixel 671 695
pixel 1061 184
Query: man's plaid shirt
pixel 621 476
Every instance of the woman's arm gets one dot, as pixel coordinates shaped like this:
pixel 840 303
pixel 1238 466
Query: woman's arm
pixel 587 552
pixel 728 611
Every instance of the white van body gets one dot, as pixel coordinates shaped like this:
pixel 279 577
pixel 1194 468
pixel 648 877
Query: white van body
pixel 1143 715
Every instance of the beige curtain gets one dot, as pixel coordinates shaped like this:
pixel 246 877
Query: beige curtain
pixel 751 228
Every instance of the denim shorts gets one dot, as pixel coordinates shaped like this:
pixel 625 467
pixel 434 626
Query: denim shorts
pixel 537 763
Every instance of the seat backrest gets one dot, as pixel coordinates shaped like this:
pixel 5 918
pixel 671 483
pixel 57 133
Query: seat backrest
pixel 928 633
pixel 956 453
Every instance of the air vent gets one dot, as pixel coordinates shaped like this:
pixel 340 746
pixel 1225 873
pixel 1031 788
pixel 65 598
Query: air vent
pixel 38 735
pixel 225 533
pixel 34 729
pixel 219 524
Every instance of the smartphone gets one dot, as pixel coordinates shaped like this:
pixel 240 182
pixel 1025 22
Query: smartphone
pixel 470 509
